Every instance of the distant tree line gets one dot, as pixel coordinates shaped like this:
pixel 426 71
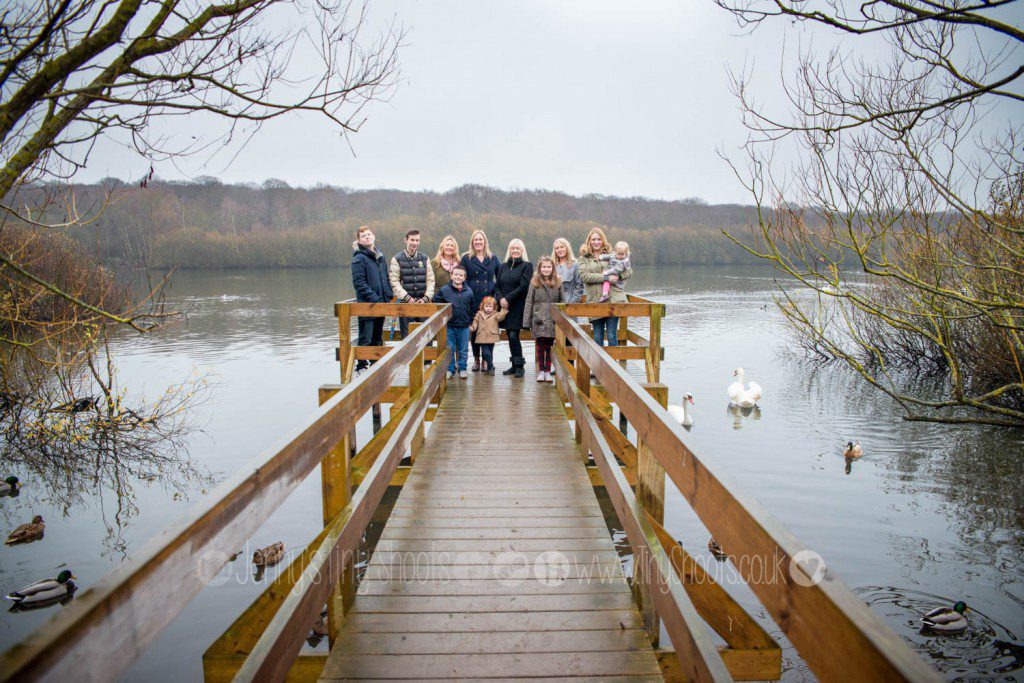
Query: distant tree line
pixel 209 224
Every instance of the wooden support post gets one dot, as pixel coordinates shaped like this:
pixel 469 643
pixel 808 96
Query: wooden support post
pixel 344 339
pixel 442 344
pixel 336 487
pixel 415 384
pixel 347 358
pixel 583 382
pixel 650 494
pixel 653 356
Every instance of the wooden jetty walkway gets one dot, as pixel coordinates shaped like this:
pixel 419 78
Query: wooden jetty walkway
pixel 496 561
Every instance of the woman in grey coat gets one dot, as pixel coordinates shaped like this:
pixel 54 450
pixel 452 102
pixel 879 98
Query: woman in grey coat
pixel 568 273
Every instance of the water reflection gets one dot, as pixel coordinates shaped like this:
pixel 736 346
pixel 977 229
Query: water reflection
pixel 742 415
pixel 73 436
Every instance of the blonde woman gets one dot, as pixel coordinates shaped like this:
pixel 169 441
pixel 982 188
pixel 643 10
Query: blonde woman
pixel 513 284
pixel 481 270
pixel 591 269
pixel 447 258
pixel 568 273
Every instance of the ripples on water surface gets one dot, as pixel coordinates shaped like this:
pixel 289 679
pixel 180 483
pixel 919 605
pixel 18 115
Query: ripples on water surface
pixel 929 515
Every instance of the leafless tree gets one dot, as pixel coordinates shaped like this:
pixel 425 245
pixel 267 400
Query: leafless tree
pixel 905 171
pixel 73 72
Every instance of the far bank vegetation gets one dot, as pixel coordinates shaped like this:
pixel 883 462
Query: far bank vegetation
pixel 208 224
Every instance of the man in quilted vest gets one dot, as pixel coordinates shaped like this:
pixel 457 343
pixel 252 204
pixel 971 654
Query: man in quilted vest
pixel 412 278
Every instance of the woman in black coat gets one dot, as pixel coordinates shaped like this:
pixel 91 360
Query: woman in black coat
pixel 481 268
pixel 513 284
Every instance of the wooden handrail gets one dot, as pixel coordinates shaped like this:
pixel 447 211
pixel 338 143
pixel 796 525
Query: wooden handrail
pixel 272 656
pixel 108 626
pixel 699 656
pixel 829 626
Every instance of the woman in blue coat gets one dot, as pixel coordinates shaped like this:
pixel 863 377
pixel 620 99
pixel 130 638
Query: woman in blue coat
pixel 372 285
pixel 481 270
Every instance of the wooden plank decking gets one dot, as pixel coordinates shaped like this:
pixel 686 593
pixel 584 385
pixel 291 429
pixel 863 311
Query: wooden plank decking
pixel 496 562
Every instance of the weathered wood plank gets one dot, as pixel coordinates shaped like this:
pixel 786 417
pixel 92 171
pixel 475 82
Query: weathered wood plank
pixel 491 665
pixel 491 603
pixel 504 513
pixel 491 545
pixel 507 642
pixel 517 583
pixel 477 622
pixel 493 533
pixel 449 558
pixel 414 571
pixel 595 521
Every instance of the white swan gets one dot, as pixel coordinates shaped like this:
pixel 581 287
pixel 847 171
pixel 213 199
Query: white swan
pixel 681 414
pixel 743 396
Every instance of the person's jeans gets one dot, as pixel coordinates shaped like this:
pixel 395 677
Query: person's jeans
pixel 487 354
pixel 403 325
pixel 371 333
pixel 458 344
pixel 606 327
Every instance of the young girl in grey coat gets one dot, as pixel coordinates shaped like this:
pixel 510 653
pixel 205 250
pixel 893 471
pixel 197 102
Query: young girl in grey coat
pixel 545 290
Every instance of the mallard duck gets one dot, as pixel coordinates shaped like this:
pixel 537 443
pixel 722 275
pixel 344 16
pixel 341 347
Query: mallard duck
pixel 320 627
pixel 947 619
pixel 853 450
pixel 27 532
pixel 717 550
pixel 269 556
pixel 46 591
pixel 9 486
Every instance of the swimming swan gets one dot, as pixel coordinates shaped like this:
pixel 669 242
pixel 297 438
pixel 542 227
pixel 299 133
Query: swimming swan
pixel 741 396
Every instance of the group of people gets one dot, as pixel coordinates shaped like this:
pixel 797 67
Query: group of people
pixel 488 294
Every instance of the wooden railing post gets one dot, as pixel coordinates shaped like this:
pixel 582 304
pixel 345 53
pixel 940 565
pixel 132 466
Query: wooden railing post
pixel 653 355
pixel 346 356
pixel 583 382
pixel 442 344
pixel 415 384
pixel 336 488
pixel 650 494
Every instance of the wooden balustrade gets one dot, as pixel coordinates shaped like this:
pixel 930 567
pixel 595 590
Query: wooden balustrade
pixel 838 636
pixel 99 634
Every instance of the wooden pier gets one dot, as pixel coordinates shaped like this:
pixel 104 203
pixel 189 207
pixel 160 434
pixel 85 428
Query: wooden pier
pixel 496 561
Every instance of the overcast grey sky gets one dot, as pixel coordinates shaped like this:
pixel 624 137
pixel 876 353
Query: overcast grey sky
pixel 606 97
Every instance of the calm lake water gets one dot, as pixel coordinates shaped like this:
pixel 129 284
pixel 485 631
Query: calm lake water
pixel 929 516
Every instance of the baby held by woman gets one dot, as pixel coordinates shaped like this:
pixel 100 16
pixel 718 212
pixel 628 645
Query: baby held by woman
pixel 618 261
